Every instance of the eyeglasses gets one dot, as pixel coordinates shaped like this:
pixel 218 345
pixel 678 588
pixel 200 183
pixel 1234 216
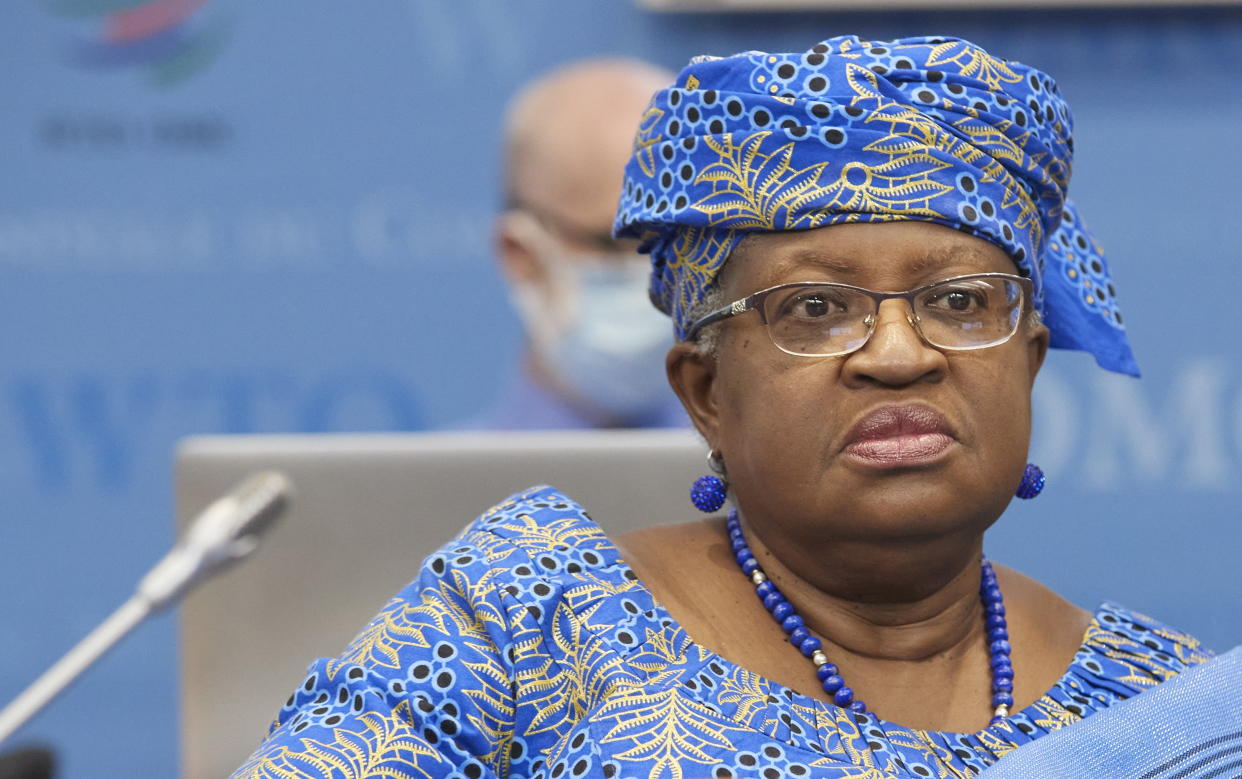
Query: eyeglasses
pixel 815 319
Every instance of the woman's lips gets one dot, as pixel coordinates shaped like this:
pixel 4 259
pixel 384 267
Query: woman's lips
pixel 900 436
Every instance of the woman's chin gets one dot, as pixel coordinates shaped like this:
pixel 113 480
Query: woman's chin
pixel 866 502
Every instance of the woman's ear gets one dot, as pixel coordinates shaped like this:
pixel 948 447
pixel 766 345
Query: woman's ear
pixel 1037 344
pixel 692 374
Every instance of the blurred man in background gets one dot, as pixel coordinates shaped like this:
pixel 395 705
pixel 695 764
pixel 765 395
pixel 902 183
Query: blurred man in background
pixel 595 346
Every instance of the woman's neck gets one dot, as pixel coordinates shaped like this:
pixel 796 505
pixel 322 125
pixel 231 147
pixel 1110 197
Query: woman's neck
pixel 921 662
pixel 909 603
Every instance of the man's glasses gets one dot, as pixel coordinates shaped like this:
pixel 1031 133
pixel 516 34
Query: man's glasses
pixel 814 319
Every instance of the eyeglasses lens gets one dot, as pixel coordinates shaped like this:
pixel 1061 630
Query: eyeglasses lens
pixel 819 320
pixel 823 320
pixel 969 313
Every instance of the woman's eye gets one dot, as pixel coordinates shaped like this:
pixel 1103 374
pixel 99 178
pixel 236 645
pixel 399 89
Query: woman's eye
pixel 812 306
pixel 958 301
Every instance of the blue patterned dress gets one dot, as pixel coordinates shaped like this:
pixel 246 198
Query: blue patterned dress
pixel 527 647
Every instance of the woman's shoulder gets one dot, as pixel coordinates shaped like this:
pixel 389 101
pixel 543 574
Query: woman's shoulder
pixel 512 563
pixel 540 523
pixel 1113 652
pixel 1186 700
pixel 1122 654
pixel 1149 651
pixel 529 550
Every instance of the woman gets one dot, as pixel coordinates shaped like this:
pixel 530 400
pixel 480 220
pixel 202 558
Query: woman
pixel 866 251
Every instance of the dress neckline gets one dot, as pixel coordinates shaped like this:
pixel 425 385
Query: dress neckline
pixel 679 635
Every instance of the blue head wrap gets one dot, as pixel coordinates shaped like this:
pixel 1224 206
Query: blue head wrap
pixel 931 129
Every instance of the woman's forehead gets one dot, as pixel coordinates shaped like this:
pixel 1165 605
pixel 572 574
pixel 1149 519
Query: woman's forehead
pixel 903 253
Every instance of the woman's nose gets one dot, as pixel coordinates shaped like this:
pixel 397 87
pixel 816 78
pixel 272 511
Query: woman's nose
pixel 895 354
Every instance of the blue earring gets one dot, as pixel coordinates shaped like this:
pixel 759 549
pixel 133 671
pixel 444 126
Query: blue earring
pixel 1032 482
pixel 708 493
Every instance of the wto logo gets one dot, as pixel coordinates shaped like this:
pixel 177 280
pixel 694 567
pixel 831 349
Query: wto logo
pixel 169 41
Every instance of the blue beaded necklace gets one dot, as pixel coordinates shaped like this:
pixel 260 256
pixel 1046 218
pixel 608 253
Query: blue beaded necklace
pixel 829 676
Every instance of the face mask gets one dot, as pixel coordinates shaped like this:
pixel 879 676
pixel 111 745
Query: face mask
pixel 599 333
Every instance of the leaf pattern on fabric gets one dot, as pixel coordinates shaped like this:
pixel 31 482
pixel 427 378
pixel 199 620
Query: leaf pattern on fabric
pixel 974 62
pixel 377 746
pixel 665 730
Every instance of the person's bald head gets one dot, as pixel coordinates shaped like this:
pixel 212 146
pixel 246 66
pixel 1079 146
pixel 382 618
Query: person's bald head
pixel 569 134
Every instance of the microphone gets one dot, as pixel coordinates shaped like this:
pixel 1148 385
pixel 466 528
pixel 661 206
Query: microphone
pixel 223 534
pixel 226 532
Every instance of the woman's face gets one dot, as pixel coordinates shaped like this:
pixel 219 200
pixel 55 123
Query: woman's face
pixel 898 441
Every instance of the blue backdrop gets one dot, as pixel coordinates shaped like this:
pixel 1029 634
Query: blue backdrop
pixel 275 217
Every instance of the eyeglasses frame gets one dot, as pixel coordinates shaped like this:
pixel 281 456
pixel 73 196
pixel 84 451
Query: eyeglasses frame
pixel 754 301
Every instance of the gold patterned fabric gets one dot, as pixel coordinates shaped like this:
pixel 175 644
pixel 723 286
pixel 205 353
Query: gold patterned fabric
pixel 528 648
pixel 930 129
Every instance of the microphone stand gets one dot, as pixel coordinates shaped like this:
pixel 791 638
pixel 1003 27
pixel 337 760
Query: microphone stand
pixel 225 532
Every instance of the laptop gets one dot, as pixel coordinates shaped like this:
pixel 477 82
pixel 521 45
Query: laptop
pixel 366 510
